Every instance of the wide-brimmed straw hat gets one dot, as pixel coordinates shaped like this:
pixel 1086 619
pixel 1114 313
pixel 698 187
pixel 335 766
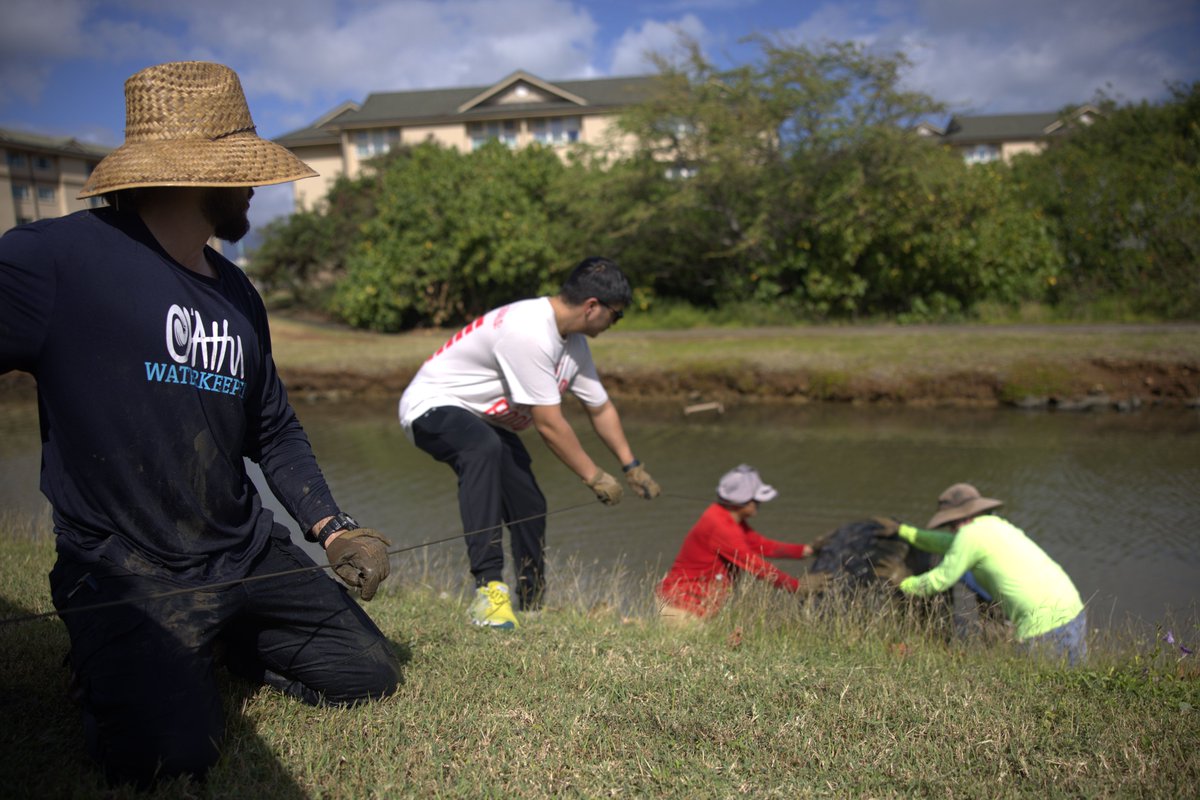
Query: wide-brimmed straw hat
pixel 960 501
pixel 187 124
pixel 742 484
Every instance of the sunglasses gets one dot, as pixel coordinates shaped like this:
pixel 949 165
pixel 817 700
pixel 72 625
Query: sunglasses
pixel 616 314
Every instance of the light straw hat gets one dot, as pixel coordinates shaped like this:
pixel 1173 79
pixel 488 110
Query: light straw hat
pixel 960 501
pixel 187 124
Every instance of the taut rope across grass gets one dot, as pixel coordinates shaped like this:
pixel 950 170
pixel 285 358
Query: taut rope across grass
pixel 226 584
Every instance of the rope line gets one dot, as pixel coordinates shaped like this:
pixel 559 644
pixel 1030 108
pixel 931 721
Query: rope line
pixel 299 570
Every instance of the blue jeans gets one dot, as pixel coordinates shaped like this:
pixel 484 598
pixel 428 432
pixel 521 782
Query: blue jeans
pixel 1067 641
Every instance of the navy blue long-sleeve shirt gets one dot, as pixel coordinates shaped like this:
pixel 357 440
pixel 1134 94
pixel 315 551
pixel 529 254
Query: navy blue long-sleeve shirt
pixel 153 384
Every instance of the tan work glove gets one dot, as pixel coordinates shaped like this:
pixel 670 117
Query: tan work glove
pixel 360 558
pixel 607 490
pixel 642 484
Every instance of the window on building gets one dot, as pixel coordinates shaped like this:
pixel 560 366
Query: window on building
pixel 376 142
pixel 16 160
pixel 45 194
pixel 20 191
pixel 982 154
pixel 674 129
pixel 42 163
pixel 505 130
pixel 681 172
pixel 557 131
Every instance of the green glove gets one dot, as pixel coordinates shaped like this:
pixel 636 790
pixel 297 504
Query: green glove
pixel 360 558
pixel 906 532
pixel 607 490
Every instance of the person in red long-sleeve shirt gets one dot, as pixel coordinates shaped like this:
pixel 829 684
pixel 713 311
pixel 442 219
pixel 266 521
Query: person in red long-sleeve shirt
pixel 721 545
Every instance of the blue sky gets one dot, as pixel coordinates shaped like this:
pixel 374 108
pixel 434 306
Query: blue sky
pixel 63 63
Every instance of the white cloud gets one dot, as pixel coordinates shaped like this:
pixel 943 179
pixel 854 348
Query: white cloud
pixel 1037 56
pixel 35 35
pixel 310 55
pixel 840 22
pixel 296 58
pixel 631 54
pixel 297 50
pixel 1018 55
pixel 50 28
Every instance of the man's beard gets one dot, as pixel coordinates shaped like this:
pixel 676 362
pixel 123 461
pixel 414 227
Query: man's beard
pixel 226 210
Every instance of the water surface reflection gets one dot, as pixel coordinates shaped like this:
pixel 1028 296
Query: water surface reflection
pixel 1112 497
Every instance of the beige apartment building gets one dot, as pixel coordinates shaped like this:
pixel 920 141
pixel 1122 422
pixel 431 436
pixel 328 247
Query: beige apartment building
pixel 40 176
pixel 518 110
pixel 982 139
pixel 521 109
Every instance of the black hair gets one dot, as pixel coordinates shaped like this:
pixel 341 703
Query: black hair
pixel 596 277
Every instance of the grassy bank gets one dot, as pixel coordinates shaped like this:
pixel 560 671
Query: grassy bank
pixel 591 698
pixel 1064 366
pixel 969 364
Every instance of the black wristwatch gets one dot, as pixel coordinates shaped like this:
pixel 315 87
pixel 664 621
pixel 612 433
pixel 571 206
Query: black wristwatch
pixel 340 522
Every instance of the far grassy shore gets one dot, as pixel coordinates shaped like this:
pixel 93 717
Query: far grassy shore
pixel 950 364
pixel 1064 366
pixel 851 698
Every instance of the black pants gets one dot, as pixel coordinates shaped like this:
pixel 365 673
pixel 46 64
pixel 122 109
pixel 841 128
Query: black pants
pixel 145 669
pixel 496 487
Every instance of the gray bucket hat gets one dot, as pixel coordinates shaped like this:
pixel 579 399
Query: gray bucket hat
pixel 960 501
pixel 742 484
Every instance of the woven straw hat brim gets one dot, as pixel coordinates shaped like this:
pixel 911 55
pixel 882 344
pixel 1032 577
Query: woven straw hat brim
pixel 241 159
pixel 976 506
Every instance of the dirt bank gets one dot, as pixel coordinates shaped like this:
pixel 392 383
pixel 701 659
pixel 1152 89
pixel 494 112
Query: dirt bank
pixel 1091 385
pixel 1063 367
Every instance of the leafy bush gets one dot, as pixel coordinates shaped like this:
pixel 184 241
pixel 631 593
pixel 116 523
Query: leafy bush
pixel 452 236
pixel 792 183
pixel 1123 196
pixel 303 255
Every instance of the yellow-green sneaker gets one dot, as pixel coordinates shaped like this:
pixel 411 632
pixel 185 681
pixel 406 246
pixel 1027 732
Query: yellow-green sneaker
pixel 492 607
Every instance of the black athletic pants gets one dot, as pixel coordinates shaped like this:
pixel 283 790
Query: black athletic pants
pixel 496 487
pixel 145 669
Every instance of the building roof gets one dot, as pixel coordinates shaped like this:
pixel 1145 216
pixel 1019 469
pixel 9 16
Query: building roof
pixel 999 126
pixel 322 130
pixel 57 145
pixel 1011 127
pixel 432 106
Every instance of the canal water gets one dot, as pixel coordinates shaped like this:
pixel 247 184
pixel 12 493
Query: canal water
pixel 1114 498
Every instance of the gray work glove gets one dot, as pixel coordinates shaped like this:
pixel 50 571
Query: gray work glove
pixel 607 490
pixel 642 484
pixel 360 558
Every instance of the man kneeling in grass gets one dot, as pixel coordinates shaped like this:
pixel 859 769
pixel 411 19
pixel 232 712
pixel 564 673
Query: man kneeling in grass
pixel 1033 590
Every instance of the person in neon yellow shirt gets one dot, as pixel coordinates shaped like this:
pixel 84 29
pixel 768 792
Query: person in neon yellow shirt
pixel 1034 592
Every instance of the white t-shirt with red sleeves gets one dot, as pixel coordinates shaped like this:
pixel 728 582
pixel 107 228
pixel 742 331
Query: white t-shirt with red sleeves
pixel 511 358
